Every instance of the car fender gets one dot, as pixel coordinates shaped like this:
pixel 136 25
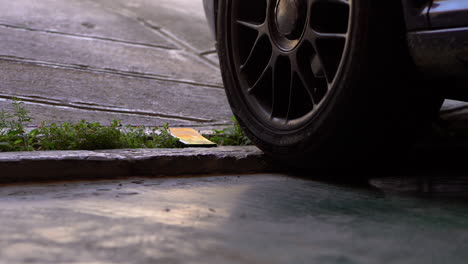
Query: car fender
pixel 211 10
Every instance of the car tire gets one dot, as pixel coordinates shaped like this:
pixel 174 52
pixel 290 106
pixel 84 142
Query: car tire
pixel 323 83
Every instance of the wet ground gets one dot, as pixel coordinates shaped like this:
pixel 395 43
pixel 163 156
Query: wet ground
pixel 237 219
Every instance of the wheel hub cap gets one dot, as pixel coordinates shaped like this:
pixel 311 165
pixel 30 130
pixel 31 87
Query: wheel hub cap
pixel 289 18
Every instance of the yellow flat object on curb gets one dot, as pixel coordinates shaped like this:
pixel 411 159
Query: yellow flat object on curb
pixel 190 137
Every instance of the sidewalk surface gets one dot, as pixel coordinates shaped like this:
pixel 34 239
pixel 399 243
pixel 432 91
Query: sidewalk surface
pixel 145 62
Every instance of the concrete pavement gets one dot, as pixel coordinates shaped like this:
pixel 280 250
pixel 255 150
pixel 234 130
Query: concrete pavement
pixel 141 61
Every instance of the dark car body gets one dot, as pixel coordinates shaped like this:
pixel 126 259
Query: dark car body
pixel 437 36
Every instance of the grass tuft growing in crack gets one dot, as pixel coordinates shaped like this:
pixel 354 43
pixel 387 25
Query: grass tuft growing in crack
pixel 12 129
pixel 230 136
pixel 82 135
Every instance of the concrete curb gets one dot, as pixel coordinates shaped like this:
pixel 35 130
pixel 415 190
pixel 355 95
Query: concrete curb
pixel 75 165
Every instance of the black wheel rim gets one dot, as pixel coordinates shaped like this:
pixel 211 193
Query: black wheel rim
pixel 287 55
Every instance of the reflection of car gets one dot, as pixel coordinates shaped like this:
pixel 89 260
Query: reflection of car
pixel 316 82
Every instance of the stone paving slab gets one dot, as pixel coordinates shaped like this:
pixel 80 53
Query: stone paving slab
pixel 83 94
pixel 78 18
pixel 72 165
pixel 184 19
pixel 103 54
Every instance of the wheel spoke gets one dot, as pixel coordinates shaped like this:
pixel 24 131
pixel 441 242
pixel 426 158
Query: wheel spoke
pixel 251 53
pixel 262 76
pixel 330 53
pixel 282 87
pixel 329 49
pixel 329 16
pixel 316 62
pixel 268 6
pixel 250 25
pixel 330 36
pixel 317 67
pixel 309 83
pixel 274 87
pixel 344 2
pixel 332 2
pixel 290 98
pixel 259 28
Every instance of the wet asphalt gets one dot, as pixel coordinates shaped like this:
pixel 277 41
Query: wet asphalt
pixel 265 218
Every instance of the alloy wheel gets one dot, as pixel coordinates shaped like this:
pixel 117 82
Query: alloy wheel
pixel 287 55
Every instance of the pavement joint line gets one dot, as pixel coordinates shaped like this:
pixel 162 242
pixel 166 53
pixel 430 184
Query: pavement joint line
pixel 42 98
pixel 136 112
pixel 162 32
pixel 174 39
pixel 208 52
pixel 89 37
pixel 171 36
pixel 213 61
pixel 109 71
